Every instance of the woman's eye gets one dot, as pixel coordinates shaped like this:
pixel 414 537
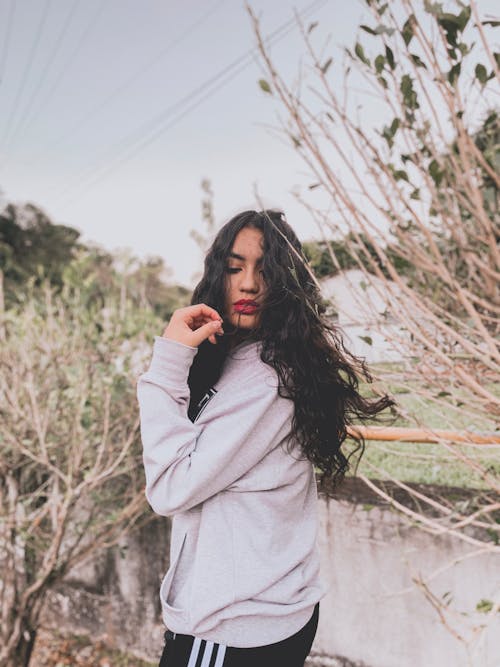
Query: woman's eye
pixel 231 270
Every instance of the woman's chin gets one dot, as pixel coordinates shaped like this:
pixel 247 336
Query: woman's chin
pixel 247 324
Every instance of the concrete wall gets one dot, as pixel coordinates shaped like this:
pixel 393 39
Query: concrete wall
pixel 373 616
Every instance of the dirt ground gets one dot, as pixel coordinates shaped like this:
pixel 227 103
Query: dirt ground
pixel 55 650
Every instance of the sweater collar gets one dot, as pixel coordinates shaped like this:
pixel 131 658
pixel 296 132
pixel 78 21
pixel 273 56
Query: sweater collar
pixel 245 349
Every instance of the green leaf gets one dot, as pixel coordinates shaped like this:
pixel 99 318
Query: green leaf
pixel 379 30
pixel 481 73
pixel 452 24
pixel 382 82
pixel 408 29
pixel 384 30
pixel 454 73
pixel 379 63
pixel 265 86
pixel 367 29
pixel 418 62
pixel 464 17
pixel 493 23
pixel 367 339
pixel 392 129
pixel 415 194
pixel 359 51
pixel 399 174
pixel 464 48
pixel 409 95
pixel 484 606
pixel 435 172
pixel 406 84
pixel 325 67
pixel 390 57
pixel 433 8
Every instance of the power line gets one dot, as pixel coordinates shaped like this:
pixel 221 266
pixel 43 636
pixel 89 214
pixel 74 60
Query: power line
pixel 220 79
pixel 89 114
pixel 69 61
pixel 8 32
pixel 231 71
pixel 29 64
pixel 57 45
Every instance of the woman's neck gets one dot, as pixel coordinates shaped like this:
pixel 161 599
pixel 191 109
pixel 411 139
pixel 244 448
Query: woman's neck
pixel 240 336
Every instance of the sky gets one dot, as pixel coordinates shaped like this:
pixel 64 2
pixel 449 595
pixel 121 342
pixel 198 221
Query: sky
pixel 113 111
pixel 109 119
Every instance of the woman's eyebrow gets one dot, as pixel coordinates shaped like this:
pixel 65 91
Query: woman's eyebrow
pixel 235 255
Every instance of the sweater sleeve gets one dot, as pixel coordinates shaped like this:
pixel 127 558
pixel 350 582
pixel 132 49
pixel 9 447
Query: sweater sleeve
pixel 186 464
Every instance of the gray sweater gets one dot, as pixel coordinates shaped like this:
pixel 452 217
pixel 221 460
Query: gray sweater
pixel 244 560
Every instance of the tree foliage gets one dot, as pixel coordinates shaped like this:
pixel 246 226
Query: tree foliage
pixel 401 140
pixel 33 249
pixel 71 476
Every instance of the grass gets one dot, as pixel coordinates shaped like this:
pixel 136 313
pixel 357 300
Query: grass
pixel 430 463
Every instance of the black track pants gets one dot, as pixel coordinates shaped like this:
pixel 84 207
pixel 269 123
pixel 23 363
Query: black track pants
pixel 189 651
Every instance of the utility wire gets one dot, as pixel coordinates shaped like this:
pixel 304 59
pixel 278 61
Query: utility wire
pixel 27 69
pixel 69 61
pixel 88 115
pixel 156 126
pixel 8 32
pixel 57 45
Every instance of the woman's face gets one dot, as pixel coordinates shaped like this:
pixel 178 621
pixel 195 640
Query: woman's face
pixel 244 278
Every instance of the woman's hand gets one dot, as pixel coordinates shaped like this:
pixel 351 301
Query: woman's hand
pixel 193 324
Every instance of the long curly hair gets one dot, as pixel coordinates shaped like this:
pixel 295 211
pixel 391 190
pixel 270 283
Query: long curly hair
pixel 306 349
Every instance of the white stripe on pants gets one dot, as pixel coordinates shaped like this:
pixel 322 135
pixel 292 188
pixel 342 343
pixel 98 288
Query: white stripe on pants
pixel 207 654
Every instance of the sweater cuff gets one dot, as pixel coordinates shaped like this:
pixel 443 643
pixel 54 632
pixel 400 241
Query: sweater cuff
pixel 172 359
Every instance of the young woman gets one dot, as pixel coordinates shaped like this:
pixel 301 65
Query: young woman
pixel 249 389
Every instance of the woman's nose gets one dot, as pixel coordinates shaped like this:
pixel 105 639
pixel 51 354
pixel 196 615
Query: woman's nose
pixel 250 280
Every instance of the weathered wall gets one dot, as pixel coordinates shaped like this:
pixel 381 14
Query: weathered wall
pixel 373 616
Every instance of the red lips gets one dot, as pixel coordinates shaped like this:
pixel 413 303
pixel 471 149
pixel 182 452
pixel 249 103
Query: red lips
pixel 245 302
pixel 246 306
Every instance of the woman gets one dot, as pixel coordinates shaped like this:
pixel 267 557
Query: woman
pixel 248 389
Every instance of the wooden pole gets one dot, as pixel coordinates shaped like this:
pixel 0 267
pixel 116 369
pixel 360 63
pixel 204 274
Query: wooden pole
pixel 402 434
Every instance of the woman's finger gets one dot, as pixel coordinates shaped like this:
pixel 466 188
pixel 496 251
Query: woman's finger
pixel 194 324
pixel 206 331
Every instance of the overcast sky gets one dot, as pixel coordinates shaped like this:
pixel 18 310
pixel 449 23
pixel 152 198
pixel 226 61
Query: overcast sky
pixel 113 111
